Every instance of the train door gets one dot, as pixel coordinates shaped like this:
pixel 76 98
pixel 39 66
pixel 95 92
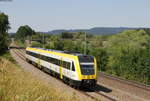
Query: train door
pixel 72 70
pixel 39 61
pixel 60 70
pixel 70 73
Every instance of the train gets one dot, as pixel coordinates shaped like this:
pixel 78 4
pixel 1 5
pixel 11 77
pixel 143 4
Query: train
pixel 75 69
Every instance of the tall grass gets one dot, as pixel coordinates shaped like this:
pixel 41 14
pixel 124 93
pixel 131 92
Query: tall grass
pixel 20 43
pixel 17 85
pixel 7 56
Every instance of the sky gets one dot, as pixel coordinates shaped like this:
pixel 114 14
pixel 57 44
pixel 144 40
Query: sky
pixel 47 15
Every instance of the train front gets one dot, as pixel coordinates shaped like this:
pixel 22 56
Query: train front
pixel 88 69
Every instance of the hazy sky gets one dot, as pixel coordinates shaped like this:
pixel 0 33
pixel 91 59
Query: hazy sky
pixel 45 15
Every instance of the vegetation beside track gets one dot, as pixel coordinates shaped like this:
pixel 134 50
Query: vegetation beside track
pixel 17 85
pixel 7 55
pixel 20 43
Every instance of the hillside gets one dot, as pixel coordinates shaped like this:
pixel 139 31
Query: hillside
pixel 95 30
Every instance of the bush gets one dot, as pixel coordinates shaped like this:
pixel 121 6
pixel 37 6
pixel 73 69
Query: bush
pixel 129 55
pixel 36 44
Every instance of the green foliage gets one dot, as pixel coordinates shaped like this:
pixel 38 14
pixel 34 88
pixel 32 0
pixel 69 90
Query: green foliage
pixel 58 45
pixel 36 44
pixel 24 32
pixel 79 35
pixel 7 56
pixel 67 35
pixel 20 43
pixel 129 55
pixel 50 45
pixel 101 56
pixel 147 30
pixel 4 23
pixel 4 26
pixel 69 45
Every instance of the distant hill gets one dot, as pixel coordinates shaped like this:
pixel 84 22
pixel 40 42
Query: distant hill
pixel 95 31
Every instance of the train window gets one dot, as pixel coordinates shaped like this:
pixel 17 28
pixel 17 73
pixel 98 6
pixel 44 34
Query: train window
pixel 53 60
pixel 58 62
pixel 66 65
pixel 43 57
pixel 86 58
pixel 73 67
pixel 87 66
pixel 47 59
pixel 32 54
pixel 35 55
pixel 29 53
pixel 38 55
pixel 26 52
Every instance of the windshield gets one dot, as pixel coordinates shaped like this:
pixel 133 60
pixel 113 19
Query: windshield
pixel 87 66
pixel 87 69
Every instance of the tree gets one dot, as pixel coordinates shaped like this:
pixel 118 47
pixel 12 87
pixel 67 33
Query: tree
pixel 24 31
pixel 69 45
pixel 129 55
pixel 147 30
pixel 101 56
pixel 67 35
pixel 36 44
pixel 4 26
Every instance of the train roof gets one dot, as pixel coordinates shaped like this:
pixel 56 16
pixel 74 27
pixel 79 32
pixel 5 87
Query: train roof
pixel 59 51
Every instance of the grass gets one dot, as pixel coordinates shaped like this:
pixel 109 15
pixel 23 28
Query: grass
pixel 7 56
pixel 20 43
pixel 18 85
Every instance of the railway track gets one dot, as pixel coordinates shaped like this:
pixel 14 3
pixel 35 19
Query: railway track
pixel 21 54
pixel 127 82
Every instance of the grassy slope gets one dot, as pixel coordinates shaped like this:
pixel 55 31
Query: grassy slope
pixel 20 43
pixel 17 85
pixel 7 56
